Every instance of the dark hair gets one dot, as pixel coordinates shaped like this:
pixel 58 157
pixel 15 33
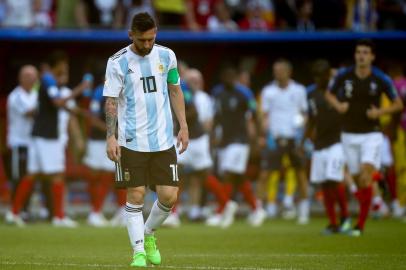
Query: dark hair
pixel 284 61
pixel 142 22
pixel 56 57
pixel 366 42
pixel 320 68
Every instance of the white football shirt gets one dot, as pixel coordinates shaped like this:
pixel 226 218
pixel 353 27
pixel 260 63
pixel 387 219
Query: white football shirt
pixel 141 85
pixel 19 102
pixel 284 107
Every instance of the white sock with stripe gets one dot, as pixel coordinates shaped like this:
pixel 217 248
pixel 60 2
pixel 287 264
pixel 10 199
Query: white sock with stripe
pixel 135 226
pixel 157 216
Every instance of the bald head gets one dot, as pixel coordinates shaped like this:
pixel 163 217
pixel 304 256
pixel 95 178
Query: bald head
pixel 27 77
pixel 194 78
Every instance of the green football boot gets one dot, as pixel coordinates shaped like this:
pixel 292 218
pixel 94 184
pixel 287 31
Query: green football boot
pixel 139 260
pixel 153 255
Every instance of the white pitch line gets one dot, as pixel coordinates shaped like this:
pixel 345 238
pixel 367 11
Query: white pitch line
pixel 283 255
pixel 126 266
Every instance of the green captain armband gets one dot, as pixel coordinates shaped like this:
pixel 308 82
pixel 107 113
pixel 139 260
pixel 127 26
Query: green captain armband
pixel 173 76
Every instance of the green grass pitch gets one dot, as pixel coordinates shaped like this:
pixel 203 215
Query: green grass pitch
pixel 276 245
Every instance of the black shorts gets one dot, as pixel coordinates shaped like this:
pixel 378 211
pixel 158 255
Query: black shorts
pixel 147 169
pixel 271 159
pixel 15 163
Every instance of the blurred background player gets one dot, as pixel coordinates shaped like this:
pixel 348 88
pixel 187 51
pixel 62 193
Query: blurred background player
pixel 327 167
pixel 197 161
pixel 356 93
pixel 234 127
pixel 21 106
pixel 46 154
pixel 284 107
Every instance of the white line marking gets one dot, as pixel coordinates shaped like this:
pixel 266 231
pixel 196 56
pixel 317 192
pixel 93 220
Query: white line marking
pixel 284 255
pixel 109 266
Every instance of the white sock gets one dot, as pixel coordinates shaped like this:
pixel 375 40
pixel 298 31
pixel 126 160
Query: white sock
pixel 135 226
pixel 377 200
pixel 288 201
pixel 157 216
pixel 304 208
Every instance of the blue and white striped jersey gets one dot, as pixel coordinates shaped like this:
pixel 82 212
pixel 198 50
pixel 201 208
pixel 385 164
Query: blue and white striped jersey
pixel 141 85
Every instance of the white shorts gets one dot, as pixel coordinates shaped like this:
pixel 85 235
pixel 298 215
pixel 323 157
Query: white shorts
pixel 233 158
pixel 387 158
pixel 96 156
pixel 328 164
pixel 197 156
pixel 362 148
pixel 46 156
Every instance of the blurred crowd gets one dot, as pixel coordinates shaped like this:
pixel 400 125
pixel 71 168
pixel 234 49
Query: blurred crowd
pixel 211 15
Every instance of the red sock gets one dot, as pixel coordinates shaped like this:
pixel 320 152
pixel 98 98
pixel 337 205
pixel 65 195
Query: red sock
pixel 121 197
pixel 91 188
pixel 364 196
pixel 58 191
pixel 246 189
pixel 101 190
pixel 329 203
pixel 391 180
pixel 215 187
pixel 342 200
pixel 23 191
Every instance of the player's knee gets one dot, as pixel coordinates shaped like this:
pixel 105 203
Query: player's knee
pixel 365 178
pixel 135 196
pixel 168 199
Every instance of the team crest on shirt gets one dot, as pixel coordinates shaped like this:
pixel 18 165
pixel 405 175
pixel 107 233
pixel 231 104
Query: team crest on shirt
pixel 126 175
pixel 373 87
pixel 348 88
pixel 233 103
pixel 161 68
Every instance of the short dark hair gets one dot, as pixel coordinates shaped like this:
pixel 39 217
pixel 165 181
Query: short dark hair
pixel 57 57
pixel 366 42
pixel 142 22
pixel 284 61
pixel 320 68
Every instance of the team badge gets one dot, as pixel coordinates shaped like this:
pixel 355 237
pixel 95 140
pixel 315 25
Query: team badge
pixel 233 102
pixel 373 89
pixel 126 175
pixel 348 87
pixel 161 68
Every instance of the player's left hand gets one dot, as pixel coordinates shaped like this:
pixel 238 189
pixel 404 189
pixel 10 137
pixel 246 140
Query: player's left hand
pixel 182 140
pixel 373 112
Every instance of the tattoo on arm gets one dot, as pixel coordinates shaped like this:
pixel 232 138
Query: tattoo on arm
pixel 111 115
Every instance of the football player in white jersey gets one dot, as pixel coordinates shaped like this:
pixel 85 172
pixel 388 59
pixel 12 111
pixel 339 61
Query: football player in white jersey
pixel 142 82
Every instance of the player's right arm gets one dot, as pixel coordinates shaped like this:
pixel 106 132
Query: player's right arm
pixel 112 88
pixel 264 121
pixel 331 95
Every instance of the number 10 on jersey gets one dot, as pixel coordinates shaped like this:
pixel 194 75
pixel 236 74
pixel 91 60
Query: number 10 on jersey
pixel 148 84
pixel 174 168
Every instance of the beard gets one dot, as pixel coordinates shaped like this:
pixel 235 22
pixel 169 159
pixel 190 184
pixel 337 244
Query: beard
pixel 143 51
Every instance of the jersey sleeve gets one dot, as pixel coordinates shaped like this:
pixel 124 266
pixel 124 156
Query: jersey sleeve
pixel 335 83
pixel 205 108
pixel 303 100
pixel 50 86
pixel 265 101
pixel 114 80
pixel 173 74
pixel 389 88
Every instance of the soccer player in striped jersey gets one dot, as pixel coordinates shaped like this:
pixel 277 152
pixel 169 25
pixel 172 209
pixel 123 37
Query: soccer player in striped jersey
pixel 142 82
pixel 355 93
